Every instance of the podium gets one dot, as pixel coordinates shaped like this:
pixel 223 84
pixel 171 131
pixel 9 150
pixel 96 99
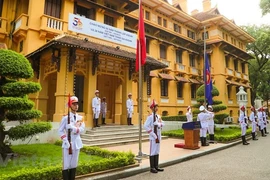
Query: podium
pixel 191 134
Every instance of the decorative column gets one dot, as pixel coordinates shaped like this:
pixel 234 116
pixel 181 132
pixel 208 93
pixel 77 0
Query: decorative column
pixel 91 84
pixel 64 84
pixel 43 94
pixel 126 88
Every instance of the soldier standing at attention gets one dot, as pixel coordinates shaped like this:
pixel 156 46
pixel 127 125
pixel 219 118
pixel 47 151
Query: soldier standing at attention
pixel 189 114
pixel 211 124
pixel 153 126
pixel 103 109
pixel 203 118
pixel 96 108
pixel 265 120
pixel 261 122
pixel 243 124
pixel 129 109
pixel 252 118
pixel 76 127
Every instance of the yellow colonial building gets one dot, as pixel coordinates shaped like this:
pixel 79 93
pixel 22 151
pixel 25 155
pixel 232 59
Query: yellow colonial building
pixel 78 46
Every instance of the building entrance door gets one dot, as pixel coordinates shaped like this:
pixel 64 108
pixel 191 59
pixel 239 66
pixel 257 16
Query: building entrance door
pixel 106 84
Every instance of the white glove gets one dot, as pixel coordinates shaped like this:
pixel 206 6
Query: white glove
pixel 65 143
pixel 153 135
pixel 156 123
pixel 73 128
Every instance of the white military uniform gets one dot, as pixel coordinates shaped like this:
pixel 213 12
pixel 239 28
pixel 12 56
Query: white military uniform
pixel 243 124
pixel 71 160
pixel 261 121
pixel 103 109
pixel 253 121
pixel 149 127
pixel 129 107
pixel 211 123
pixel 189 116
pixel 264 119
pixel 96 107
pixel 203 118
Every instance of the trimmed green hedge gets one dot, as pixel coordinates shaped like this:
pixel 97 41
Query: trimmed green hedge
pixel 23 115
pixel 221 134
pixel 27 130
pixel 174 118
pixel 113 160
pixel 20 88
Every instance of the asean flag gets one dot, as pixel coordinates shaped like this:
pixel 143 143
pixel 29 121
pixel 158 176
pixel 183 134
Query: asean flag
pixel 141 42
pixel 208 82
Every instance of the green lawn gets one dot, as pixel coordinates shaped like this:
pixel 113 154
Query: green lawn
pixel 221 135
pixel 39 156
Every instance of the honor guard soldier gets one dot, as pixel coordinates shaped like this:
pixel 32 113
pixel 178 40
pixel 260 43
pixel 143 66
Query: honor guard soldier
pixel 71 127
pixel 189 114
pixel 261 122
pixel 103 109
pixel 96 108
pixel 211 124
pixel 265 120
pixel 153 126
pixel 129 109
pixel 252 118
pixel 203 118
pixel 243 123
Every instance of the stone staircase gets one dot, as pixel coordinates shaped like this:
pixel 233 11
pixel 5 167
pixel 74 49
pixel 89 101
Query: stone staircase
pixel 112 135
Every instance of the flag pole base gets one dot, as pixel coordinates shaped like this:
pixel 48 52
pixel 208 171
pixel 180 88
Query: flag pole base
pixel 141 156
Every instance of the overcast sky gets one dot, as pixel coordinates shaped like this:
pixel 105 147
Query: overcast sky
pixel 244 12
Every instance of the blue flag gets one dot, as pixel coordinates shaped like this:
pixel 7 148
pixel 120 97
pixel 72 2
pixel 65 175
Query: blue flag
pixel 208 81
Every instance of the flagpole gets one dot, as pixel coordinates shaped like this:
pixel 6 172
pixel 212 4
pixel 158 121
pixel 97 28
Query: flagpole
pixel 204 67
pixel 140 94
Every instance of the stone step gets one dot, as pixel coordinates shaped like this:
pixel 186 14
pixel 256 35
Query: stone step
pixel 110 131
pixel 120 138
pixel 117 143
pixel 111 135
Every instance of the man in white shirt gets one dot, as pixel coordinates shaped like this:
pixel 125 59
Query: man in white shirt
pixel 96 108
pixel 129 109
pixel 243 124
pixel 203 118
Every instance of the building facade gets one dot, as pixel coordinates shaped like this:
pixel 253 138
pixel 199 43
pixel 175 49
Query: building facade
pixel 78 46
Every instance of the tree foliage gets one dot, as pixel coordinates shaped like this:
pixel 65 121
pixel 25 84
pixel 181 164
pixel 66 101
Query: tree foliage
pixel 265 6
pixel 15 69
pixel 258 67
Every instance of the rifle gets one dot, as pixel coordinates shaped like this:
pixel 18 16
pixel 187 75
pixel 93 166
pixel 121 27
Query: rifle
pixel 155 126
pixel 69 130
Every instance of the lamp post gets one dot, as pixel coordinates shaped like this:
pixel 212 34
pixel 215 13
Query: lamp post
pixel 242 99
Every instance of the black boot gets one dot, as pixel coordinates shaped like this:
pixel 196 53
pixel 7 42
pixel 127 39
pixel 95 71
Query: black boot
pixel 202 144
pixel 97 123
pixel 263 135
pixel 205 142
pixel 156 163
pixel 65 174
pixel 265 131
pixel 103 121
pixel 211 138
pixel 130 122
pixel 152 164
pixel 254 136
pixel 72 174
pixel 244 140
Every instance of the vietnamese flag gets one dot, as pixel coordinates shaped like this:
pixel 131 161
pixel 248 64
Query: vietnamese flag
pixel 141 42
